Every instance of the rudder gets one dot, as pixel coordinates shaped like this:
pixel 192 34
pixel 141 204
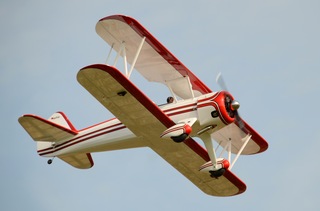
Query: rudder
pixel 61 119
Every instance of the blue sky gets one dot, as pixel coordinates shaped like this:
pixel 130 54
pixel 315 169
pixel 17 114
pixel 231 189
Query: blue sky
pixel 268 52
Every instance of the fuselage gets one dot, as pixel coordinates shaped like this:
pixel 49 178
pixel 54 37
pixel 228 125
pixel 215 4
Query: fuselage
pixel 113 135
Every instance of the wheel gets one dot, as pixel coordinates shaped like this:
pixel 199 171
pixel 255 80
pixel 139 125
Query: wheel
pixel 49 161
pixel 179 139
pixel 218 173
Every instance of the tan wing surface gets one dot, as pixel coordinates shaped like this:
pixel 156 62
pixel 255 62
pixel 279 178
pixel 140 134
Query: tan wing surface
pixel 43 130
pixel 78 160
pixel 146 120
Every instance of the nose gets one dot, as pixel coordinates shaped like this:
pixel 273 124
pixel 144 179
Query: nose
pixel 235 105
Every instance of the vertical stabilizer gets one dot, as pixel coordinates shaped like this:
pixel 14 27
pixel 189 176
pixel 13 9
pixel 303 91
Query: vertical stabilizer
pixel 61 119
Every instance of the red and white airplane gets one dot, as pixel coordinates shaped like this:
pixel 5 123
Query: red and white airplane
pixel 192 111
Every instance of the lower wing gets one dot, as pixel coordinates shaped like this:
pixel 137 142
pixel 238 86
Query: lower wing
pixel 146 120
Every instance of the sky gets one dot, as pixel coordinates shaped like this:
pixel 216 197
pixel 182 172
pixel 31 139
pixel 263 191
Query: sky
pixel 267 51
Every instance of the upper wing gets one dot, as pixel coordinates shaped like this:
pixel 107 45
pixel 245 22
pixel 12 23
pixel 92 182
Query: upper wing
pixel 233 133
pixel 256 138
pixel 158 64
pixel 155 62
pixel 146 120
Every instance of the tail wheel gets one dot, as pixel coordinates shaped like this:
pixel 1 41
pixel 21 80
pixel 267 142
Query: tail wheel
pixel 50 161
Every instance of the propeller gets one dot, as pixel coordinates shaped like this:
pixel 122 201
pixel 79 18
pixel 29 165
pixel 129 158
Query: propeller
pixel 234 104
pixel 221 82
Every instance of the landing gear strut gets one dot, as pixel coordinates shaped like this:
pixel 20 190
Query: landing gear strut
pixel 218 165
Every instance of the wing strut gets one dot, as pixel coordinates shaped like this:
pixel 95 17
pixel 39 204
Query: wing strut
pixel 123 52
pixel 214 165
pixel 136 56
pixel 109 54
pixel 246 140
pixel 210 149
pixel 185 82
pixel 227 148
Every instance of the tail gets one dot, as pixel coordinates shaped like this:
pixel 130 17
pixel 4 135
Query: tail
pixel 46 132
pixel 68 130
pixel 56 129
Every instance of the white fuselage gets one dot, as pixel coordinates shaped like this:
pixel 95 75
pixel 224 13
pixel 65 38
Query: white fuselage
pixel 112 134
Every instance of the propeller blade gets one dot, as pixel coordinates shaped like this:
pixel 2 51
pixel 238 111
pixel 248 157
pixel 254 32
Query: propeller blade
pixel 221 82
pixel 239 120
pixel 235 104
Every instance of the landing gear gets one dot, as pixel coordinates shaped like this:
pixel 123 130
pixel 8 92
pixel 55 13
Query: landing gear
pixel 217 170
pixel 179 132
pixel 216 166
pixel 50 161
pixel 218 173
pixel 179 139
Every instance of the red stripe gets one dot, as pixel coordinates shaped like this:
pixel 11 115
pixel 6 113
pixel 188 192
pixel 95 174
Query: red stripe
pixel 209 98
pixel 180 112
pixel 89 134
pixel 42 150
pixel 256 137
pixel 109 120
pixel 85 139
pixel 176 108
pixel 73 132
pixel 68 121
pixel 90 159
pixel 172 130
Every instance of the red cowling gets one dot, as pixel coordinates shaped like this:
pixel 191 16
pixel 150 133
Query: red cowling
pixel 223 101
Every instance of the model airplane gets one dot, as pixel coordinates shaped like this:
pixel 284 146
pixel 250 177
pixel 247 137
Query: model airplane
pixel 192 111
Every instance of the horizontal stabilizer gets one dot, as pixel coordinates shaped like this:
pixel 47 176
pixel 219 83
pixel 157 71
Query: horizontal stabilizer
pixel 79 160
pixel 44 130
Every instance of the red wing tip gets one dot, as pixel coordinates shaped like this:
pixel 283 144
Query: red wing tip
pixel 116 17
pixel 236 181
pixel 263 144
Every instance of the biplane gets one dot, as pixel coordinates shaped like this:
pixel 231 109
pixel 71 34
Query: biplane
pixel 172 130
